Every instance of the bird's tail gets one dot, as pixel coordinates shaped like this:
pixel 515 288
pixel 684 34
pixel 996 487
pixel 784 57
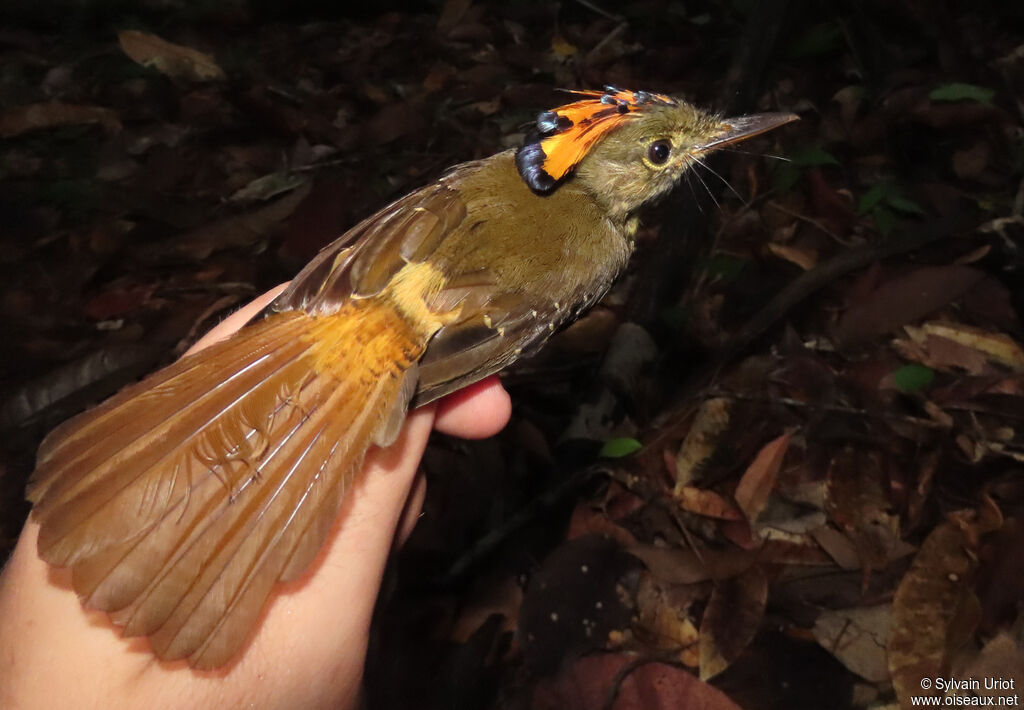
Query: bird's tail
pixel 179 502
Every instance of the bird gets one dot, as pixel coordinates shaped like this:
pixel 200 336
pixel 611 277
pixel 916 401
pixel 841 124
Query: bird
pixel 180 502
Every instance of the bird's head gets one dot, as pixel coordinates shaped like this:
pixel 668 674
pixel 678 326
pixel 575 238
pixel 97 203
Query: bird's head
pixel 628 147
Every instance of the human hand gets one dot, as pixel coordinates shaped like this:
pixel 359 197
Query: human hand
pixel 310 644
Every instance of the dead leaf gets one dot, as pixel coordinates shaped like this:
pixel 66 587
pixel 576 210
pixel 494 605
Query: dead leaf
pixel 266 187
pixel 996 346
pixel 589 683
pixel 904 300
pixel 1002 658
pixel 838 546
pixel 707 503
pixel 579 596
pixel 118 300
pixel 502 597
pixel 663 619
pixel 590 334
pixel 857 638
pixel 806 259
pixel 452 13
pixel 239 230
pixel 70 388
pixel 731 619
pixel 562 47
pixel 942 353
pixel 849 99
pixel 858 504
pixel 833 207
pixel 438 77
pixel 394 120
pixel 970 163
pixel 710 423
pixel 927 601
pixel 173 60
pixel 759 479
pixel 674 566
pixel 15 121
pixel 587 521
pixel 974 255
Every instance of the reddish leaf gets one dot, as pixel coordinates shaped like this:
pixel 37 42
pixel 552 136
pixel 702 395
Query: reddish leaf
pixel 759 479
pixel 707 503
pixel 591 681
pixel 15 121
pixel 587 521
pixel 905 300
pixel 118 301
pixel 174 60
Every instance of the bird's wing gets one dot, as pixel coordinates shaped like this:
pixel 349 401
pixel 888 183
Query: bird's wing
pixel 494 327
pixel 363 262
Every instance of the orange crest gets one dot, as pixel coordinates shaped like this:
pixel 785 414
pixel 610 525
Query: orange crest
pixel 564 136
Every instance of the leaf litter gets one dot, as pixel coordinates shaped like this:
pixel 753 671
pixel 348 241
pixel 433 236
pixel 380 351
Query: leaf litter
pixel 805 502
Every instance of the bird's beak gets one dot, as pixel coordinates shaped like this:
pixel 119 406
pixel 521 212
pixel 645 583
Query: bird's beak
pixel 740 128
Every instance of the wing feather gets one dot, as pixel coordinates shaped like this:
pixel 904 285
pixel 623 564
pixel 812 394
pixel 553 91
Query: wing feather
pixel 181 529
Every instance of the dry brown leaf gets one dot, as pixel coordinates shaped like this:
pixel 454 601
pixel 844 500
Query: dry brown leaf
pixel 438 77
pixel 242 229
pixel 838 546
pixel 15 121
pixel 587 521
pixel 663 619
pixel 173 60
pixel 928 600
pixel 707 503
pixel 785 552
pixel 503 597
pixel 452 13
pixel 941 353
pixel 711 422
pixel 970 163
pixel 858 504
pixel 590 682
pixel 996 346
pixel 904 300
pixel 759 479
pixel 856 637
pixel 806 259
pixel 974 255
pixel 674 566
pixel 266 187
pixel 731 619
pixel 562 47
pixel 849 99
pixel 1001 659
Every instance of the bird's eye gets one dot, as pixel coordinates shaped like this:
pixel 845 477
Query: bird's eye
pixel 659 151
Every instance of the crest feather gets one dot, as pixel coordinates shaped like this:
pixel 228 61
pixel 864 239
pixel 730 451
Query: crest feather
pixel 563 136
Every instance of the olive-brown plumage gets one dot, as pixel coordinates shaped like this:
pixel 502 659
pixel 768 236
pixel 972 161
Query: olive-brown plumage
pixel 181 501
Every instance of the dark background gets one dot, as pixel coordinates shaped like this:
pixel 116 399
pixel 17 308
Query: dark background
pixel 123 237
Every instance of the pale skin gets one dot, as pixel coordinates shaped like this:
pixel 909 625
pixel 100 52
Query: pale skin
pixel 310 646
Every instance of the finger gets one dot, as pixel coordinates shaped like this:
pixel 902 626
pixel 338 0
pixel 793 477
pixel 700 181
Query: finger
pixel 475 412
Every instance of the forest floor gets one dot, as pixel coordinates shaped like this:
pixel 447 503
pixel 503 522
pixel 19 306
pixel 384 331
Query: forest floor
pixel 781 465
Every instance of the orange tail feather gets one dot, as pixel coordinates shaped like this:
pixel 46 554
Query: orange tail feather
pixel 182 500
